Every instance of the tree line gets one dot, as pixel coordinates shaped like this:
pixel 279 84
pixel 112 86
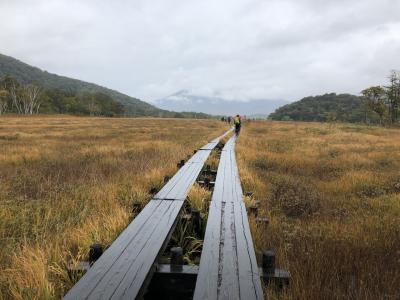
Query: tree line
pixel 17 97
pixel 29 99
pixel 384 101
pixel 376 105
pixel 323 108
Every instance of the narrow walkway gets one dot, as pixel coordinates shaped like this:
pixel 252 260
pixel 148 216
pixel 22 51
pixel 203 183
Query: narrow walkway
pixel 228 266
pixel 126 267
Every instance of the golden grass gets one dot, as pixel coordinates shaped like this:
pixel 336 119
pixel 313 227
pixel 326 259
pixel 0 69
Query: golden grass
pixel 67 182
pixel 331 193
pixel 199 198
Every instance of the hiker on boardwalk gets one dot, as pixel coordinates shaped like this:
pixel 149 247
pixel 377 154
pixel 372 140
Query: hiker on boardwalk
pixel 238 123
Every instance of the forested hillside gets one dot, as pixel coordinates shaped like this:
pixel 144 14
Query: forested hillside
pixel 328 107
pixel 59 94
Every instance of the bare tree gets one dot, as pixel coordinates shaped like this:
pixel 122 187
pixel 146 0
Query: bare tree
pixel 15 93
pixel 3 101
pixel 30 100
pixel 25 98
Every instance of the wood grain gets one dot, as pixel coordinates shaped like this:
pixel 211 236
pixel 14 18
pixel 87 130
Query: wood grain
pixel 228 266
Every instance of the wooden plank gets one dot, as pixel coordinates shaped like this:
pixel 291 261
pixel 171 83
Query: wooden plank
pixel 223 135
pixel 89 281
pixel 180 191
pixel 228 281
pixel 121 270
pixel 173 182
pixel 199 156
pixel 228 266
pixel 249 276
pixel 178 187
pixel 126 278
pixel 125 268
pixel 211 145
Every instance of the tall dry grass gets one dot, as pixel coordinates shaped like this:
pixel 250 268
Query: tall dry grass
pixel 331 193
pixel 67 182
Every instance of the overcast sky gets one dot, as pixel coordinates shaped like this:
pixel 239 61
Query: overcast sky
pixel 248 49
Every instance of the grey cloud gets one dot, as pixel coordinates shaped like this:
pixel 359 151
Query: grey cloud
pixel 250 49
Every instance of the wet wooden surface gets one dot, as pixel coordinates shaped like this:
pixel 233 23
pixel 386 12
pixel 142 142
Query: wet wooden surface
pixel 125 268
pixel 228 266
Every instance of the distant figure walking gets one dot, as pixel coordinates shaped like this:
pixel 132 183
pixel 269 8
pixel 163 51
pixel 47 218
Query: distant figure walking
pixel 229 120
pixel 238 123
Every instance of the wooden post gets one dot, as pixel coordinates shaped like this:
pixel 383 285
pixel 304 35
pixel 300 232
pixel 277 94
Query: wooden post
pixel 196 221
pixel 268 262
pixel 96 250
pixel 166 179
pixel 260 221
pixel 176 258
pixel 253 210
pixel 136 208
pixel 181 163
pixel 280 278
pixel 249 194
pixel 207 182
pixel 153 190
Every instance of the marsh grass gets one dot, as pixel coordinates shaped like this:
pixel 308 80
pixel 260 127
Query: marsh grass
pixel 199 198
pixel 66 182
pixel 331 193
pixel 185 235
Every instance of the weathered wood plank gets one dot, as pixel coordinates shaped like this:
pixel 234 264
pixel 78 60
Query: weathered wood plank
pixel 83 288
pixel 140 260
pixel 249 276
pixel 133 261
pixel 211 145
pixel 179 178
pixel 126 266
pixel 178 187
pixel 228 266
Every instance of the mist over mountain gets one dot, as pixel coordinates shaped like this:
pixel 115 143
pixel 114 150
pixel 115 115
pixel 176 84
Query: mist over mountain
pixel 184 100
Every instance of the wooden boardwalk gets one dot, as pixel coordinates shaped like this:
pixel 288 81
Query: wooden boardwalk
pixel 228 266
pixel 126 267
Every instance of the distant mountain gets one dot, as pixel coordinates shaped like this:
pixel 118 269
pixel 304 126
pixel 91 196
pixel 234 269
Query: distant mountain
pixel 186 101
pixel 342 107
pixel 67 88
